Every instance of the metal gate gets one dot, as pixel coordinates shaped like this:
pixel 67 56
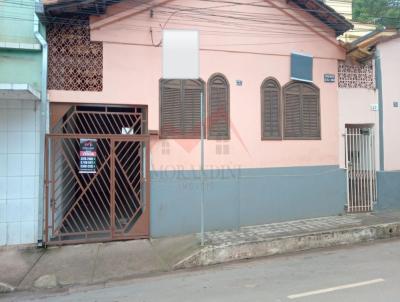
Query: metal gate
pixel 360 167
pixel 112 203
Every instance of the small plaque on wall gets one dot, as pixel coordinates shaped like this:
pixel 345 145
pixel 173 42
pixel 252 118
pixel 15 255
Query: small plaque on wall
pixel 374 107
pixel 329 78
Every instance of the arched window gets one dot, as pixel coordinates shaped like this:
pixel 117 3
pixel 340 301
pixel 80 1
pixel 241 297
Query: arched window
pixel 271 109
pixel 218 107
pixel 180 108
pixel 301 111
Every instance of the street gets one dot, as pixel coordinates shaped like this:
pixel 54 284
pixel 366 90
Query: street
pixel 366 273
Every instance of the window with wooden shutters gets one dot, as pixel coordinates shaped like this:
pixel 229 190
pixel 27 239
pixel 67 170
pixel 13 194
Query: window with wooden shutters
pixel 271 110
pixel 180 108
pixel 218 107
pixel 301 111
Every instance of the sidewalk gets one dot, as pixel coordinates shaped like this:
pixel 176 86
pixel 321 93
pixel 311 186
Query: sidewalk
pixel 293 236
pixel 86 264
pixel 93 263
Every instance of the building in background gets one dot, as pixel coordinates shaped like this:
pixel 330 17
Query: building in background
pixel 344 7
pixel 21 128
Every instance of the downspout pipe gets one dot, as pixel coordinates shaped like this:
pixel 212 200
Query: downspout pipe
pixel 44 125
pixel 378 80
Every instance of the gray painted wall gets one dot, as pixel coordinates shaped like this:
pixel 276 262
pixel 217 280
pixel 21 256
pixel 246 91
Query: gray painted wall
pixel 242 197
pixel 388 190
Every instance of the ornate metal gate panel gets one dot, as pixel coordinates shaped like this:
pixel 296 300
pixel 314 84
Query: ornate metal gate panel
pixel 360 168
pixel 112 203
pixel 129 158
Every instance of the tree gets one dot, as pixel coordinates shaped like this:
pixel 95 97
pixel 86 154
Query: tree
pixel 380 12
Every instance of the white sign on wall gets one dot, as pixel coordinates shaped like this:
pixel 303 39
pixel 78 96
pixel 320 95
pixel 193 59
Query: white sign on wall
pixel 180 54
pixel 374 107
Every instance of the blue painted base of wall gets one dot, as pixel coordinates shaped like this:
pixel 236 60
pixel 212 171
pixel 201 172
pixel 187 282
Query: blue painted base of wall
pixel 241 197
pixel 388 190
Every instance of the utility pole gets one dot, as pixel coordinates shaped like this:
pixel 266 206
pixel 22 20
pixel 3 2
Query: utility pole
pixel 202 166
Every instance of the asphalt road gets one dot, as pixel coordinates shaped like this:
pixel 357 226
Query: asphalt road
pixel 368 273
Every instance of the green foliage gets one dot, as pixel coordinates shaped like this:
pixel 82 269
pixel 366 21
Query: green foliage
pixel 380 12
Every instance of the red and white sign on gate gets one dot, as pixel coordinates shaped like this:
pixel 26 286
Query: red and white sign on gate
pixel 87 155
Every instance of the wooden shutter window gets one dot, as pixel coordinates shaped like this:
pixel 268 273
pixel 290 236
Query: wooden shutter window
pixel 311 112
pixel 218 107
pixel 191 108
pixel 292 112
pixel 271 110
pixel 180 108
pixel 170 108
pixel 301 111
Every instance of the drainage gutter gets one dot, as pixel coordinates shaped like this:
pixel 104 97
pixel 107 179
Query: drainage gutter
pixel 378 80
pixel 44 125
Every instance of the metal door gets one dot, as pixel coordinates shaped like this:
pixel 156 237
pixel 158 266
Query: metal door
pixel 360 168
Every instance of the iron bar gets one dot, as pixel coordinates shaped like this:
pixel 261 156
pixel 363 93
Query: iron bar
pixel 202 166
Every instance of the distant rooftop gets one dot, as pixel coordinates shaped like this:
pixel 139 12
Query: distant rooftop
pixel 363 48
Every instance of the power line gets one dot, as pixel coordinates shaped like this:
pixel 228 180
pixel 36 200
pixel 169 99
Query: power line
pixel 242 23
pixel 245 32
pixel 243 29
pixel 227 3
pixel 234 24
pixel 261 21
pixel 231 3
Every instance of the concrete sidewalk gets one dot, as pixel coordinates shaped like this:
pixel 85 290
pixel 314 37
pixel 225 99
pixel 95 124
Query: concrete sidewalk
pixel 86 264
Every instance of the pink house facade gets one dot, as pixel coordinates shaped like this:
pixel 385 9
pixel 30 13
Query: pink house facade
pixel 262 168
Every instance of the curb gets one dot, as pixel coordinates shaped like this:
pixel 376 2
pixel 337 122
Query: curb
pixel 6 288
pixel 210 255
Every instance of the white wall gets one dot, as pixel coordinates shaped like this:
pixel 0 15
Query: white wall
pixel 354 108
pixel 19 170
pixel 390 64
